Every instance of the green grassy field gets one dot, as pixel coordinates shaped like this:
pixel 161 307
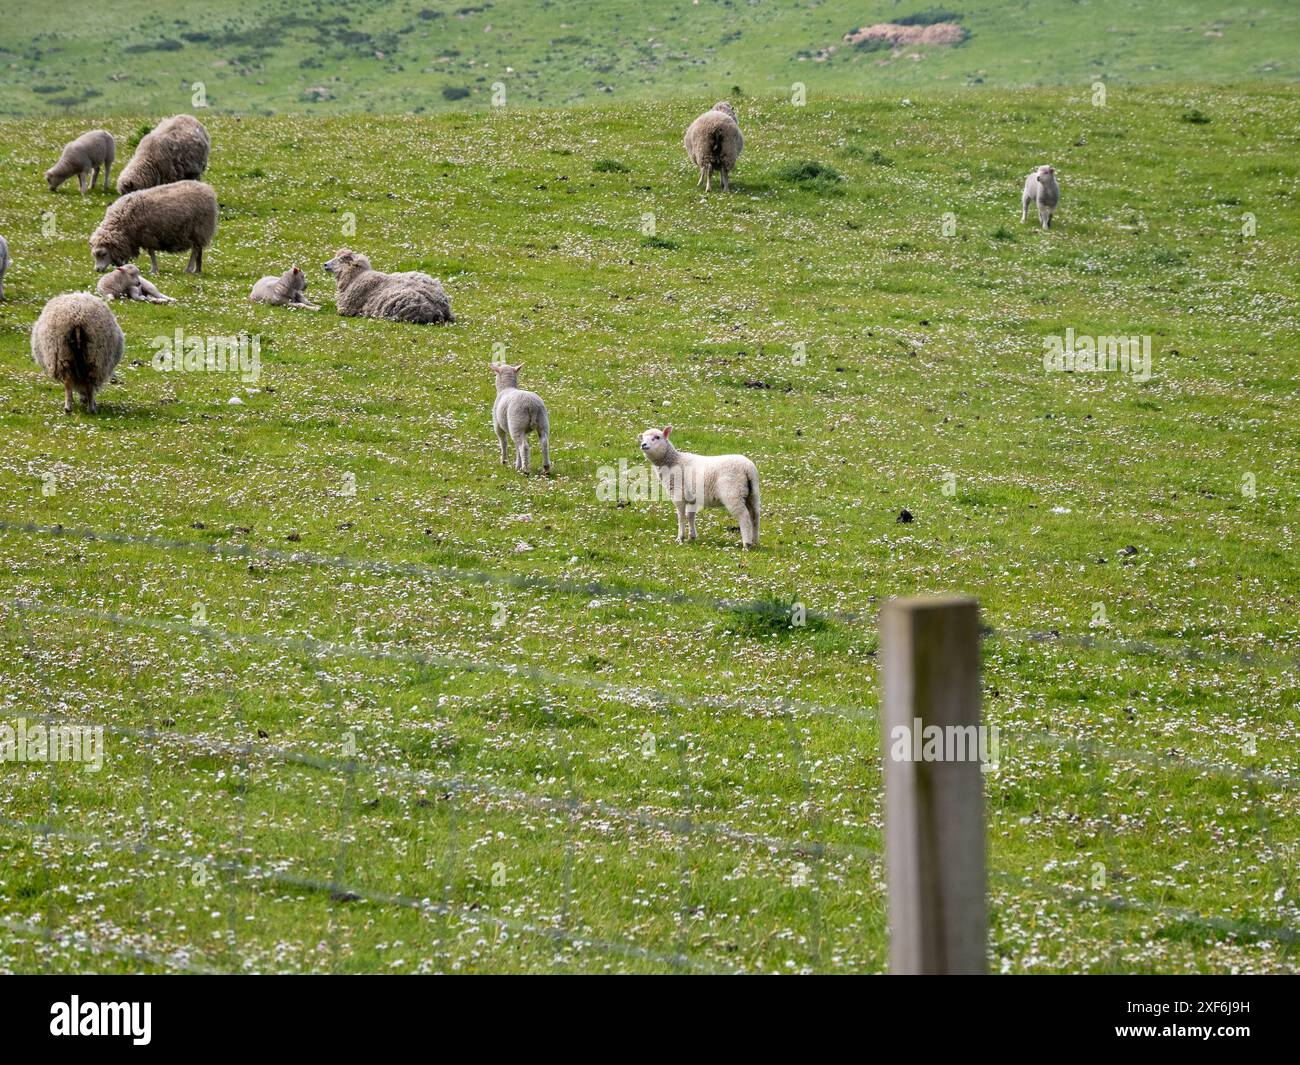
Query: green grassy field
pixel 428 55
pixel 567 818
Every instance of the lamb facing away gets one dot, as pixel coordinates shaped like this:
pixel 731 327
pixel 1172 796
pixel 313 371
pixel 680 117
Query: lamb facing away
pixel 409 297
pixel 78 342
pixel 4 265
pixel 695 481
pixel 181 216
pixel 713 142
pixel 283 291
pixel 1041 188
pixel 515 414
pixel 126 283
pixel 174 150
pixel 86 155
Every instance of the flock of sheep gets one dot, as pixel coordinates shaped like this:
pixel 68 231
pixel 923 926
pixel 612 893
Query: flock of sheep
pixel 163 206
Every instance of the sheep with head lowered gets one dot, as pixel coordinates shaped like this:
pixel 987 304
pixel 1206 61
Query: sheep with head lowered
pixel 696 481
pixel 127 283
pixel 88 154
pixel 78 342
pixel 515 414
pixel 174 150
pixel 178 217
pixel 287 290
pixel 713 142
pixel 1041 189
pixel 4 265
pixel 408 297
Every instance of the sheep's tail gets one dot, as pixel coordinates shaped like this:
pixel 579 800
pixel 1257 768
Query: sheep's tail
pixel 716 138
pixel 79 355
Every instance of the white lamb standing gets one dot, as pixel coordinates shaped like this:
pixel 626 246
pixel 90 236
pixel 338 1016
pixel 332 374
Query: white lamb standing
pixel 1041 188
pixel 695 481
pixel 515 414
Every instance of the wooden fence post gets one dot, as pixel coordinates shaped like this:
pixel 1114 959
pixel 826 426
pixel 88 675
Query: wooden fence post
pixel 934 807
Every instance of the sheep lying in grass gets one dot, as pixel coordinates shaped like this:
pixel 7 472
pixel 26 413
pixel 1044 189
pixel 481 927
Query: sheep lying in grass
pixel 287 290
pixel 4 265
pixel 409 297
pixel 1041 188
pixel 515 414
pixel 695 481
pixel 78 342
pixel 86 155
pixel 181 216
pixel 127 283
pixel 174 150
pixel 713 142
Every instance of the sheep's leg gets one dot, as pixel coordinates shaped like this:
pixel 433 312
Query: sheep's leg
pixel 545 440
pixel 726 185
pixel 748 533
pixel 1024 210
pixel 690 521
pixel 501 438
pixel 1045 216
pixel 93 178
pixel 195 265
pixel 81 181
pixel 703 170
pixel 708 180
pixel 681 521
pixel 153 258
pixel 91 406
pixel 67 398
pixel 108 169
pixel 523 457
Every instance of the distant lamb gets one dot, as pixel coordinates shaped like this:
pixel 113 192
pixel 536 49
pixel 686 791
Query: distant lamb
pixel 409 297
pixel 287 290
pixel 86 155
pixel 515 414
pixel 1041 188
pixel 713 142
pixel 178 217
pixel 127 283
pixel 4 265
pixel 78 342
pixel 174 150
pixel 695 481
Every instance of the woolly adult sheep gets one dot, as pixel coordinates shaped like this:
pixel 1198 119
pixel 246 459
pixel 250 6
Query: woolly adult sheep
pixel 4 265
pixel 86 155
pixel 408 297
pixel 287 290
pixel 178 217
pixel 1041 188
pixel 174 150
pixel 126 283
pixel 515 414
pixel 78 342
pixel 713 142
pixel 696 481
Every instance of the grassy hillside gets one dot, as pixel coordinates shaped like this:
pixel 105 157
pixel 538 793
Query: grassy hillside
pixel 433 55
pixel 870 329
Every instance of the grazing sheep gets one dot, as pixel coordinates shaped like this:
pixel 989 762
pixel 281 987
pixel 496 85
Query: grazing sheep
pixel 1041 188
pixel 126 283
pixel 409 297
pixel 4 265
pixel 86 155
pixel 284 291
pixel 515 414
pixel 695 481
pixel 713 142
pixel 177 217
pixel 174 150
pixel 78 342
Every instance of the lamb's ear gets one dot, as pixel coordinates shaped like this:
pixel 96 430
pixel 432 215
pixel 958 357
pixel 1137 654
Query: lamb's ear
pixel 667 429
pixel 517 368
pixel 494 367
